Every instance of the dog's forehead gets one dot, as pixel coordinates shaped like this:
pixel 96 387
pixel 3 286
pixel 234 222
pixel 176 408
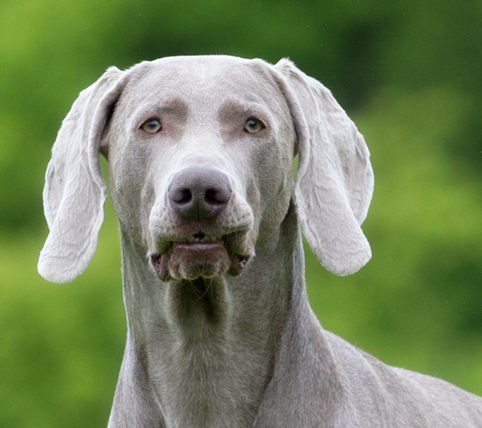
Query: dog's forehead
pixel 204 78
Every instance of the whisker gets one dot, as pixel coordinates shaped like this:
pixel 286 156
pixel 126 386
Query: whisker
pixel 194 288
pixel 208 286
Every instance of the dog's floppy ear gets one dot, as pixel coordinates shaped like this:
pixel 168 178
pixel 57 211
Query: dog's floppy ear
pixel 334 182
pixel 74 192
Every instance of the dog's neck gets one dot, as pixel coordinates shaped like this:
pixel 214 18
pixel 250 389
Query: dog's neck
pixel 206 349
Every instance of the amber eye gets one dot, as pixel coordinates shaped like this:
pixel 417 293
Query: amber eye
pixel 253 125
pixel 151 126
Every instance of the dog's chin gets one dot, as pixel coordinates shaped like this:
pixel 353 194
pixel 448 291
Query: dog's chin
pixel 191 260
pixel 194 260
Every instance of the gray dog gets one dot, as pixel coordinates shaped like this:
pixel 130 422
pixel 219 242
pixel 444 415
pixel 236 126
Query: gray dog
pixel 220 332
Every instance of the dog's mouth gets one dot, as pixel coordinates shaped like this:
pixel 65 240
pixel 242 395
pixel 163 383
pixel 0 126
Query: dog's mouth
pixel 200 255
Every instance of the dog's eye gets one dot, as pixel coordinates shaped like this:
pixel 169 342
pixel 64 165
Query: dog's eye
pixel 253 125
pixel 151 126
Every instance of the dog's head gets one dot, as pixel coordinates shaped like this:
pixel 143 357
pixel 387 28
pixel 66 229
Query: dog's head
pixel 200 153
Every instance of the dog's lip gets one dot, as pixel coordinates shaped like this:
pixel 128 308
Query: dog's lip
pixel 198 242
pixel 168 241
pixel 201 238
pixel 198 245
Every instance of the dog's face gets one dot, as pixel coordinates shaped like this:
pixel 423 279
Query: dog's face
pixel 201 152
pixel 201 157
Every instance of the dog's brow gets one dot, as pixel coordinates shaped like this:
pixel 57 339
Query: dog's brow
pixel 233 109
pixel 173 107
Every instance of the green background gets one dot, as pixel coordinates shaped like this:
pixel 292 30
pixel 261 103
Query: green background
pixel 408 73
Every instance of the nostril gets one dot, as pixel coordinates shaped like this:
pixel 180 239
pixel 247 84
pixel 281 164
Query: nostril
pixel 182 196
pixel 186 196
pixel 215 197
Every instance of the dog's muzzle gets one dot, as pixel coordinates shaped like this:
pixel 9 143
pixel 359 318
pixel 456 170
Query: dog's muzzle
pixel 198 196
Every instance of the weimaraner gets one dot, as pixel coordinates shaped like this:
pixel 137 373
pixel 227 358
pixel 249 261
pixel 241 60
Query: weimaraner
pixel 220 332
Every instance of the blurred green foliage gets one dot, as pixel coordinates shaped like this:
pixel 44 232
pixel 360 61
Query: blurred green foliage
pixel 409 74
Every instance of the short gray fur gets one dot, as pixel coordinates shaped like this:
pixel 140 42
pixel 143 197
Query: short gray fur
pixel 235 345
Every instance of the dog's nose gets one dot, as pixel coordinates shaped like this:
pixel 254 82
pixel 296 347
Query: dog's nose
pixel 199 193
